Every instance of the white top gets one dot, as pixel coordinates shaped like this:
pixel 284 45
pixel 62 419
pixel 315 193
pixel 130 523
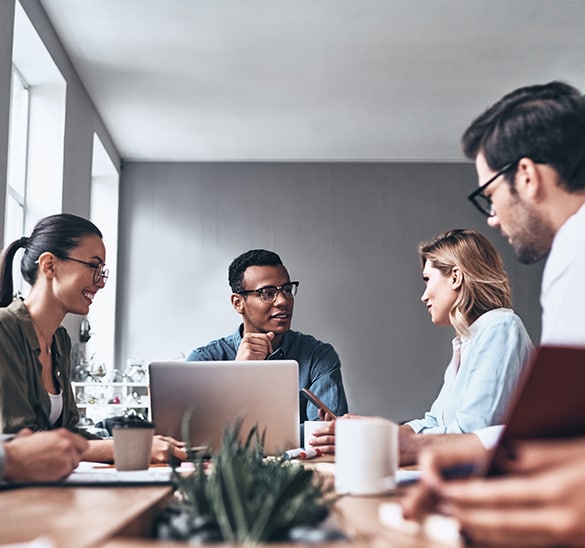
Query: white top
pixel 562 296
pixel 562 293
pixel 56 407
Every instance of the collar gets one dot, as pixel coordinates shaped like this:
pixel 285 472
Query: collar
pixel 477 324
pixel 18 309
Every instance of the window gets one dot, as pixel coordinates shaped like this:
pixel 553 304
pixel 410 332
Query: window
pixel 34 184
pixel 17 162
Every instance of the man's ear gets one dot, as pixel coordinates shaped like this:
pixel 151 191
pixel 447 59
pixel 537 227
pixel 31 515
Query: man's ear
pixel 456 278
pixel 528 178
pixel 47 262
pixel 238 302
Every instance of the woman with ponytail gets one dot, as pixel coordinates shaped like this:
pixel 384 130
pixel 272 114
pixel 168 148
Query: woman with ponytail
pixel 64 263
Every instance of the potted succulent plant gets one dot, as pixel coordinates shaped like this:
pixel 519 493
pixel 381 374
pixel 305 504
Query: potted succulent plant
pixel 240 496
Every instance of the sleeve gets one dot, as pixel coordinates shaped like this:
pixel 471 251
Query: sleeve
pixel 326 383
pixel 488 377
pixel 19 385
pixel 490 436
pixel 199 355
pixel 429 422
pixel 220 349
pixel 2 460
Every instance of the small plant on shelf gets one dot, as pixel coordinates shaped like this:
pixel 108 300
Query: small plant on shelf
pixel 241 496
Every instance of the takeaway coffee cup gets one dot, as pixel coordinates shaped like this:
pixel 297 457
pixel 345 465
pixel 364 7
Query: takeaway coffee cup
pixel 132 443
pixel 366 455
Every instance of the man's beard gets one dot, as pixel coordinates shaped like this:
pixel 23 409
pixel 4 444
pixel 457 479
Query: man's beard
pixel 533 240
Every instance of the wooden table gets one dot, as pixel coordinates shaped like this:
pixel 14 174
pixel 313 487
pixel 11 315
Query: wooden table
pixel 122 517
pixel 76 517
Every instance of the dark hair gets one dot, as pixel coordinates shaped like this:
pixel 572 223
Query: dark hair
pixel 254 257
pixel 485 284
pixel 543 122
pixel 57 234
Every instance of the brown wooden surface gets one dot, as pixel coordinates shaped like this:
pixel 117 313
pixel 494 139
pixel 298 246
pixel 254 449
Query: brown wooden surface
pixel 357 516
pixel 76 517
pixel 122 517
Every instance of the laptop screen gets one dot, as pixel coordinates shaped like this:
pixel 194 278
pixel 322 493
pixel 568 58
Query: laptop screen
pixel 218 393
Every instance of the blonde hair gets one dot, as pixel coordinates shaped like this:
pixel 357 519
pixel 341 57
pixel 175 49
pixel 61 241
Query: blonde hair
pixel 484 283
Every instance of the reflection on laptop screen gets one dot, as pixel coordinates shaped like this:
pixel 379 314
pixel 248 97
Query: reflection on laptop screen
pixel 265 393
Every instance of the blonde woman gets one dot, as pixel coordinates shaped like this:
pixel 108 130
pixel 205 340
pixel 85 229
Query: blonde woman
pixel 468 289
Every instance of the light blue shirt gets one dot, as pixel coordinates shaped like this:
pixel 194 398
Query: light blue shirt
pixel 477 394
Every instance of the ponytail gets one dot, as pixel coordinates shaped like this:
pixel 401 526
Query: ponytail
pixel 6 282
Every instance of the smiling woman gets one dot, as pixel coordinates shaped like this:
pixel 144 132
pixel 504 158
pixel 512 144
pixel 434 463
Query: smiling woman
pixel 36 397
pixel 64 262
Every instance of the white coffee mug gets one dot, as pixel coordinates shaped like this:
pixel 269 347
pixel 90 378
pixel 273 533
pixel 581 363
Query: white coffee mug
pixel 366 455
pixel 309 428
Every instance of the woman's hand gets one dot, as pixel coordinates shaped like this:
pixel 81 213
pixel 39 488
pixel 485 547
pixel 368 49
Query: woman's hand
pixel 324 438
pixel 165 447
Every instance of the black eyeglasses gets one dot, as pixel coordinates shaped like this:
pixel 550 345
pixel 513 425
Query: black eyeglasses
pixel 483 202
pixel 268 293
pixel 100 272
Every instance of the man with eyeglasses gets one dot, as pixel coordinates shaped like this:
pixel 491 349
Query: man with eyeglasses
pixel 529 152
pixel 263 294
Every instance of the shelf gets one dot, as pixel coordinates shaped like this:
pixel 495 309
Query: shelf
pixel 108 384
pixel 111 406
pixel 100 393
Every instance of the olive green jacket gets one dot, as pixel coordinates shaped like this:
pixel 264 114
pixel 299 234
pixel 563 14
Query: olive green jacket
pixel 24 401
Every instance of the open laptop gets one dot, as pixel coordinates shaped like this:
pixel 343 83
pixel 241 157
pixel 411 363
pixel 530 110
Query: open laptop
pixel 550 399
pixel 265 393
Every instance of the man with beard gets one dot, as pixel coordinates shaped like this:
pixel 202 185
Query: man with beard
pixel 529 152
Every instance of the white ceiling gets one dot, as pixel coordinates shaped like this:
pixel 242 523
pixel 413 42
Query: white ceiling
pixel 310 79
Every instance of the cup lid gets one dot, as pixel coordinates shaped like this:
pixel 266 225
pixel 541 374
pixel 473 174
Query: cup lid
pixel 131 422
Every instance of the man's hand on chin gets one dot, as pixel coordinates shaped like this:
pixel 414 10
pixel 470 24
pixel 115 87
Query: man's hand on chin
pixel 255 346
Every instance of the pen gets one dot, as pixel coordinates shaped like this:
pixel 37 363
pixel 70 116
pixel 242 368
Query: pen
pixel 302 454
pixel 461 471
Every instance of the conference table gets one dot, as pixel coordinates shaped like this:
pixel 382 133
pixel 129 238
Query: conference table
pixel 123 517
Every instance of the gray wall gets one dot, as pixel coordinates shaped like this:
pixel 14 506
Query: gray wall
pixel 348 232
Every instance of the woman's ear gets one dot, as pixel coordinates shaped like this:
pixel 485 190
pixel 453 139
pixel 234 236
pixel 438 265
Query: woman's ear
pixel 456 278
pixel 47 262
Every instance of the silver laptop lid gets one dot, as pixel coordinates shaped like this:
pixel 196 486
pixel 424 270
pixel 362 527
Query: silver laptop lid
pixel 265 393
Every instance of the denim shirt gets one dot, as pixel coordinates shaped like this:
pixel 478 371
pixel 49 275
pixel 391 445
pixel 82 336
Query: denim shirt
pixel 319 367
